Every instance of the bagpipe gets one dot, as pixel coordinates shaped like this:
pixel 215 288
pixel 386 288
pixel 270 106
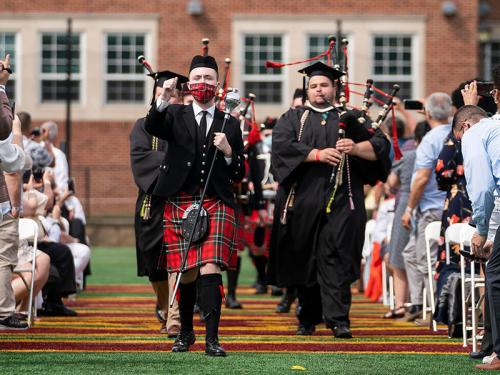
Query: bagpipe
pixel 359 126
pixel 354 123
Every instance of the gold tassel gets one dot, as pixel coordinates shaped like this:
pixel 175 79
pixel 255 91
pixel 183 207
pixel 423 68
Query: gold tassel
pixel 146 208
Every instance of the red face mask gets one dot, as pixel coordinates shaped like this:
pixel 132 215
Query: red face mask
pixel 202 92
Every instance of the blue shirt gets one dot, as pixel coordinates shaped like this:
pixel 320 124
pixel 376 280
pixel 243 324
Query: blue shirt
pixel 427 155
pixel 481 151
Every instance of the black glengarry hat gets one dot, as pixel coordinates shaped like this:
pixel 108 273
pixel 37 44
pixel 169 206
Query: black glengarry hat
pixel 203 62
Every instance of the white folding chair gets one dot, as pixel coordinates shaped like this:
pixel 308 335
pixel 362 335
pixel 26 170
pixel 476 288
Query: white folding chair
pixel 432 233
pixel 28 230
pixel 475 282
pixel 367 249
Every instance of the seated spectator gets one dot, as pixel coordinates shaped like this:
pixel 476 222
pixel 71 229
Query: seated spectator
pixel 61 281
pixel 54 228
pixel 42 268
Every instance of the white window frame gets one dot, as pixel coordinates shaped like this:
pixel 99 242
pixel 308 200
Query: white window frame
pixel 382 78
pixel 61 76
pixel 15 74
pixel 124 76
pixel 264 77
pixel 487 62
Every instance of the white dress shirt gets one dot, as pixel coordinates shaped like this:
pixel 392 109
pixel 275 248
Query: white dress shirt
pixel 481 152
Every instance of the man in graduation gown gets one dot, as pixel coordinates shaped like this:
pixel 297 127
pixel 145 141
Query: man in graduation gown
pixel 194 138
pixel 146 155
pixel 320 253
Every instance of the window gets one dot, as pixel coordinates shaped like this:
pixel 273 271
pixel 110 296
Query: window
pixel 490 56
pixel 54 67
pixel 125 80
pixel 392 63
pixel 8 46
pixel 266 84
pixel 318 43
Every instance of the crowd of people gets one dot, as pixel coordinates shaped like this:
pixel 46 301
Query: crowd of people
pixel 294 191
pixel 35 185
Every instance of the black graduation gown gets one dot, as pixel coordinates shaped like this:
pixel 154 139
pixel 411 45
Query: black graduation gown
pixel 145 168
pixel 294 246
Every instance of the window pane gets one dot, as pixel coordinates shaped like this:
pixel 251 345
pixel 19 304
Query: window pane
pixel 124 91
pixel 122 52
pixel 266 92
pixel 392 55
pixel 55 54
pixel 55 90
pixel 495 54
pixel 258 49
pixel 8 46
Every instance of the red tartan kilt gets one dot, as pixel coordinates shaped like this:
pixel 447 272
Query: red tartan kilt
pixel 239 242
pixel 218 246
pixel 250 224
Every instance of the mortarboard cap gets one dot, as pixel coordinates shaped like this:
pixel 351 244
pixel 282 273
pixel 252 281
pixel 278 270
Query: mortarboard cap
pixel 203 62
pixel 161 77
pixel 321 69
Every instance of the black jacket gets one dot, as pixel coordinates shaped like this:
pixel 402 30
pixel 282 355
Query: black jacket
pixel 177 125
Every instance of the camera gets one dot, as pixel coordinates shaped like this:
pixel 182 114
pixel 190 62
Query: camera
pixel 36 132
pixel 37 173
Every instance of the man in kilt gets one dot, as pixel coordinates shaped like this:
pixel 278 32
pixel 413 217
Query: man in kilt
pixel 194 137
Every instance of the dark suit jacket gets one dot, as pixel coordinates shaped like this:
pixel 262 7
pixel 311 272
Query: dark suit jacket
pixel 177 125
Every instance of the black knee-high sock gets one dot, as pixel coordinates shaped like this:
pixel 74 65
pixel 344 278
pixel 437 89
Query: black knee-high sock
pixel 260 264
pixel 187 298
pixel 232 279
pixel 210 302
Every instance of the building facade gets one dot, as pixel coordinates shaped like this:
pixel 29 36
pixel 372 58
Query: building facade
pixel 424 46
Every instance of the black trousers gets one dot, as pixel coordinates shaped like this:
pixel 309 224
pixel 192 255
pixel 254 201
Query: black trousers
pixel 63 284
pixel 493 289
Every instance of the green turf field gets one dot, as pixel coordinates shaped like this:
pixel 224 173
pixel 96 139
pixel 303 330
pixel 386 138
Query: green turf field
pixel 235 363
pixel 116 266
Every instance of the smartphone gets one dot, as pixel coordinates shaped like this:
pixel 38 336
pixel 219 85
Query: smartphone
pixel 484 88
pixel 71 184
pixel 26 176
pixel 12 104
pixel 414 105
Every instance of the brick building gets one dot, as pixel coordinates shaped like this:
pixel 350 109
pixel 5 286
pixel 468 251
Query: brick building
pixel 425 46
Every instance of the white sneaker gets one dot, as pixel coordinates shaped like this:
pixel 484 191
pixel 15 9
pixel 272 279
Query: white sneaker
pixel 489 358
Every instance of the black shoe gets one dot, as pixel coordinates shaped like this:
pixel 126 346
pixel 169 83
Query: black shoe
pixel 12 322
pixel 261 289
pixel 285 304
pixel 342 331
pixel 213 349
pixel 305 329
pixel 183 341
pixel 479 355
pixel 56 310
pixel 233 303
pixel 276 292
